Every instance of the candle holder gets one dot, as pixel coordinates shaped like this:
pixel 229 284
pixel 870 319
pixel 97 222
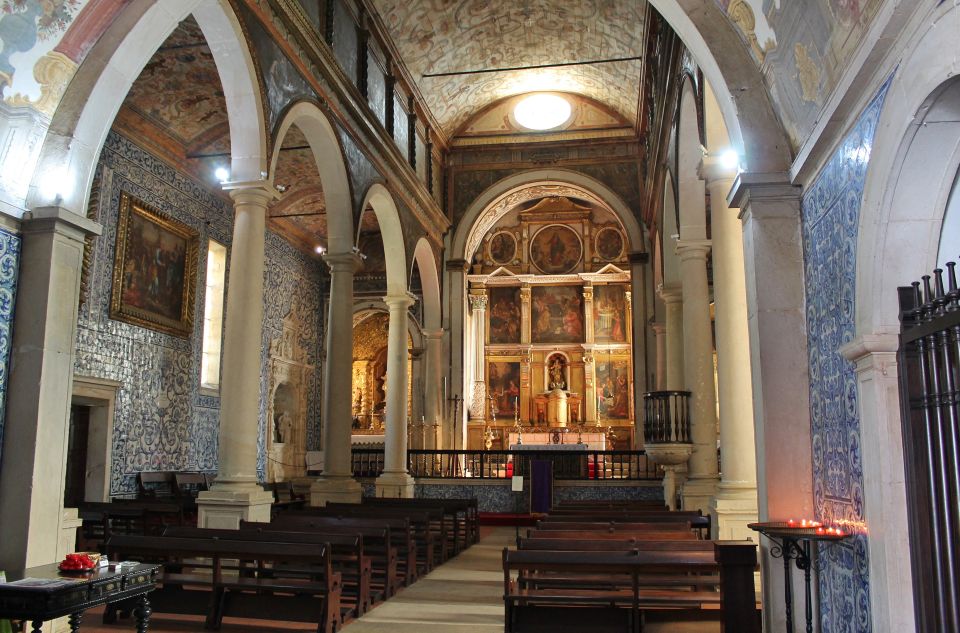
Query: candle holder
pixel 796 541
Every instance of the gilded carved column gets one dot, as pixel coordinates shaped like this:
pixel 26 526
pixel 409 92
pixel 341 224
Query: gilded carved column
pixel 588 314
pixel 525 315
pixel 478 400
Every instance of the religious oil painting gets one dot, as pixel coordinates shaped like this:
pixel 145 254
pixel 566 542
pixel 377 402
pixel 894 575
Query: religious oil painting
pixel 503 248
pixel 503 385
pixel 609 244
pixel 556 249
pixel 154 270
pixel 556 314
pixel 613 389
pixel 504 314
pixel 609 314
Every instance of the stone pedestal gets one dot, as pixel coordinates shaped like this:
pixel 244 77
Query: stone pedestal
pixel 223 509
pixel 673 457
pixel 40 386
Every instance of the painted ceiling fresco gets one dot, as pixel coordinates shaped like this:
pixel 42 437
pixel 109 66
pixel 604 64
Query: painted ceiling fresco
pixel 439 36
pixel 300 213
pixel 179 90
pixel 802 47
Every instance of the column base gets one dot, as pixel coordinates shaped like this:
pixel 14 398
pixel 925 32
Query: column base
pixel 225 506
pixel 334 489
pixel 732 509
pixel 395 484
pixel 698 493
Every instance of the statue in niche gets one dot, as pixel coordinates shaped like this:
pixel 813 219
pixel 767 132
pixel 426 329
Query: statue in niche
pixel 556 369
pixel 282 427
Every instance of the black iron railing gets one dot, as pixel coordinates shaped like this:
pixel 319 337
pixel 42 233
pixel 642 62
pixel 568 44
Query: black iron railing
pixel 666 417
pixel 930 410
pixel 567 464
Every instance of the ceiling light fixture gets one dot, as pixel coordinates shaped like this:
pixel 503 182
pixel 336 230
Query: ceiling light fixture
pixel 222 174
pixel 730 159
pixel 542 111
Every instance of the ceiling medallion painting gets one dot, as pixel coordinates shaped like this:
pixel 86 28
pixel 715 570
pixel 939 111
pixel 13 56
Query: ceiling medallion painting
pixel 462 35
pixel 503 248
pixel 556 249
pixel 609 244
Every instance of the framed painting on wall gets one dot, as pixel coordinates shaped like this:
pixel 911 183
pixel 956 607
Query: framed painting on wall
pixel 503 385
pixel 504 315
pixel 154 270
pixel 609 314
pixel 613 389
pixel 556 314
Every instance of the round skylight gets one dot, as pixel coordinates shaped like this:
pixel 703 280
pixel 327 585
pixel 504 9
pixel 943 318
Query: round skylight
pixel 542 111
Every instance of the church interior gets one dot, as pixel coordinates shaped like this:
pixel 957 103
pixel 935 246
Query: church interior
pixel 310 268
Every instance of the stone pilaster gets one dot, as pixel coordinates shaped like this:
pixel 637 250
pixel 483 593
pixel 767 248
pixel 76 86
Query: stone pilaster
pixel 660 375
pixel 40 387
pixel 478 399
pixel 236 495
pixel 672 296
pixel 395 480
pixel 336 484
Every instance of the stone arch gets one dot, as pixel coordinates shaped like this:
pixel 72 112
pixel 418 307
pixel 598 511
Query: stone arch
pixel 94 96
pixel 469 231
pixel 912 166
pixel 755 131
pixel 388 217
pixel 691 194
pixel 426 263
pixel 325 145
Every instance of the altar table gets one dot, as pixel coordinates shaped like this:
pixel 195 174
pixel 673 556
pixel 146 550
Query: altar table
pixel 593 440
pixel 44 593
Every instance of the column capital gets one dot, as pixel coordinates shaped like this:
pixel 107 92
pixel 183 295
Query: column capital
pixel 349 262
pixel 432 335
pixel 252 191
pixel 58 220
pixel 671 293
pixel 712 170
pixel 748 187
pixel 478 302
pixel 658 328
pixel 693 249
pixel 400 301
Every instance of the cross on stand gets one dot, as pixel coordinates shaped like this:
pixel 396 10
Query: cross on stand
pixel 454 465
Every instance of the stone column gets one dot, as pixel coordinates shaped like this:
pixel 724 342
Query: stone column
pixel 433 351
pixel 478 400
pixel 636 299
pixel 40 386
pixel 454 322
pixel 673 301
pixel 772 244
pixel 660 332
pixel 701 486
pixel 395 480
pixel 336 484
pixel 736 502
pixel 236 495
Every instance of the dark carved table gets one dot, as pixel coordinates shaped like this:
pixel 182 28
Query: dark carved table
pixel 50 593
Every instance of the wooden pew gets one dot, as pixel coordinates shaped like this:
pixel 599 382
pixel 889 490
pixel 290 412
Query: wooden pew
pixel 664 535
pixel 609 526
pixel 591 504
pixel 465 513
pixel 257 589
pixel 389 542
pixel 620 606
pixel 696 519
pixel 427 527
pixel 347 554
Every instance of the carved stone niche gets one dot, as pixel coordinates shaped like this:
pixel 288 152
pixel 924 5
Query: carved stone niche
pixel 290 379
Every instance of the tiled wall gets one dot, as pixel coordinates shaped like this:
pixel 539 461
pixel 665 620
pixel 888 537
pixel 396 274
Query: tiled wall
pixel 163 421
pixel 831 213
pixel 9 268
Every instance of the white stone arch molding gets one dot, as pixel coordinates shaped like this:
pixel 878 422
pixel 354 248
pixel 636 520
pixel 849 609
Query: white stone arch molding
pixel 913 163
pixel 381 200
pixel 328 154
pixel 363 310
pixel 689 153
pixel 721 55
pixel 491 205
pixel 71 148
pixel 426 262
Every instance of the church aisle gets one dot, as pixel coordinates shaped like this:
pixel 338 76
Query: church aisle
pixel 463 595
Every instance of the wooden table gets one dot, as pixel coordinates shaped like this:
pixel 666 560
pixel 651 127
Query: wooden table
pixel 44 593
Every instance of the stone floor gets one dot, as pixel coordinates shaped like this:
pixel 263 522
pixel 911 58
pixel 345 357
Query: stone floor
pixel 465 595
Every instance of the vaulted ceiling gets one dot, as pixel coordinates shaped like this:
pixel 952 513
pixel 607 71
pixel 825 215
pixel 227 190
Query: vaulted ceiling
pixel 444 36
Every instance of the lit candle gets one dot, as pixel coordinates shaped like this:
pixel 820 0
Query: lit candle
pixel 791 523
pixel 820 530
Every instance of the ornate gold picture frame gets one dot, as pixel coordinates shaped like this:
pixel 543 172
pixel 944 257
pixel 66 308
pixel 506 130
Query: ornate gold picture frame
pixel 154 270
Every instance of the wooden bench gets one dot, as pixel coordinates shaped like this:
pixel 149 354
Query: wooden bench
pixel 195 582
pixel 347 553
pixel 663 535
pixel 465 511
pixel 608 526
pixel 387 541
pixel 609 503
pixel 619 606
pixel 697 520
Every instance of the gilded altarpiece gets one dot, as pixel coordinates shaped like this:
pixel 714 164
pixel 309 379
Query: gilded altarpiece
pixel 558 318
